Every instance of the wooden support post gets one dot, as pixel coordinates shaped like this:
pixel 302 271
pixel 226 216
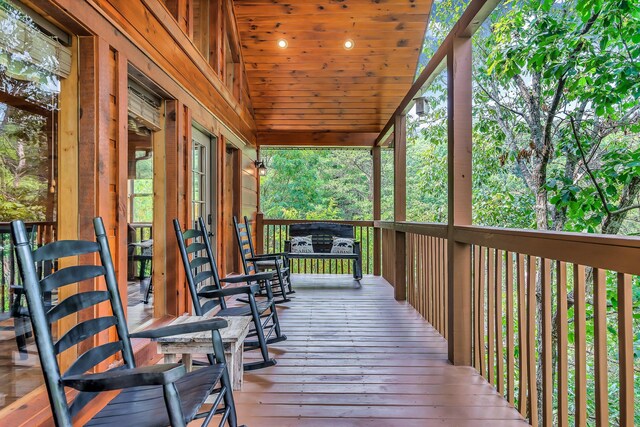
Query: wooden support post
pixel 377 211
pixel 68 167
pixel 400 203
pixel 459 70
pixel 260 233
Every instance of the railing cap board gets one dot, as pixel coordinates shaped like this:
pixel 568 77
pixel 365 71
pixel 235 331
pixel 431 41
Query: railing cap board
pixel 609 252
pixel 358 223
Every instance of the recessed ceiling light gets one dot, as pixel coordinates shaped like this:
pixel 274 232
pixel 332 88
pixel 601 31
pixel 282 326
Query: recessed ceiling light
pixel 349 44
pixel 282 43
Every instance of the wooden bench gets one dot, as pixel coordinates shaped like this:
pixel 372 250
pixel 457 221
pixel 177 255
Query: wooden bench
pixel 322 238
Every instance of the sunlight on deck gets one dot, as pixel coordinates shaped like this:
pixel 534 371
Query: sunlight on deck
pixel 356 357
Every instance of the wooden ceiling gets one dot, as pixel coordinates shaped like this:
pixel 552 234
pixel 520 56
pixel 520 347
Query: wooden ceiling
pixel 316 92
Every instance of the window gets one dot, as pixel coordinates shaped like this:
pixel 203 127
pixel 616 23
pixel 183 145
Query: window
pixel 32 66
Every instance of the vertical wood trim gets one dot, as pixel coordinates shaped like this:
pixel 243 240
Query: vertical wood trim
pixel 174 274
pixel 377 211
pixel 122 189
pixel 459 119
pixel 625 349
pixel 600 343
pixel 96 77
pixel 161 210
pixel 215 31
pixel 547 347
pixel 67 166
pixel 579 320
pixel 562 344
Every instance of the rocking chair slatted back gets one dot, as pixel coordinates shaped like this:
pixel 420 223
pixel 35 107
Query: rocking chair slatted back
pixel 195 241
pixel 246 247
pixel 43 316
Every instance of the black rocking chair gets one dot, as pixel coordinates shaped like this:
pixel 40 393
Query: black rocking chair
pixel 207 292
pixel 252 264
pixel 157 395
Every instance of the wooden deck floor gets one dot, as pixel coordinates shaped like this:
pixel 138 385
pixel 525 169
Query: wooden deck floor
pixel 356 357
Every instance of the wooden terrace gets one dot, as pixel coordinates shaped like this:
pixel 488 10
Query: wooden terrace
pixel 355 356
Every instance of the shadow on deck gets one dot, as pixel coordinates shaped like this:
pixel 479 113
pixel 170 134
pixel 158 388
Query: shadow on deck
pixel 356 357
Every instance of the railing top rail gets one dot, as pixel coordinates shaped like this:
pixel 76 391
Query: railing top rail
pixel 609 252
pixel 7 224
pixel 272 221
pixel 425 228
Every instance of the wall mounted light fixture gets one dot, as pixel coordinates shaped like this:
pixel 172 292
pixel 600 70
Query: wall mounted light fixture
pixel 421 107
pixel 262 169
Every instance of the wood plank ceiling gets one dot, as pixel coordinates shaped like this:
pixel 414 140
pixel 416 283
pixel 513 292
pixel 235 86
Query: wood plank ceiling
pixel 315 91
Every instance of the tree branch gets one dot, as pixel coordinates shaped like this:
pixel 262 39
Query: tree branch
pixel 603 199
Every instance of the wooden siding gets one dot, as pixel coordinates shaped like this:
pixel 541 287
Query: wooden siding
pixel 356 357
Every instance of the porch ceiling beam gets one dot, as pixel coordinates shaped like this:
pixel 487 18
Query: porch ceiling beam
pixel 469 22
pixel 317 139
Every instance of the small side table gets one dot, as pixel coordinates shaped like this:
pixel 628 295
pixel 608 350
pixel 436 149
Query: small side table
pixel 200 343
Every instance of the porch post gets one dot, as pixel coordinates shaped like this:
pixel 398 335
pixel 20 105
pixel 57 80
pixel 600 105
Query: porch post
pixel 377 181
pixel 260 232
pixel 400 202
pixel 459 70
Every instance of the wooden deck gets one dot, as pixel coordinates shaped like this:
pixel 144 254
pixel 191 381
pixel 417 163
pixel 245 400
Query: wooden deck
pixel 356 357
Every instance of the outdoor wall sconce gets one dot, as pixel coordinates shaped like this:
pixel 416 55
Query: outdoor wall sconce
pixel 262 169
pixel 421 107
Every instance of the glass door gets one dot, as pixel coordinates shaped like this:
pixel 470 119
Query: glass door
pixel 204 183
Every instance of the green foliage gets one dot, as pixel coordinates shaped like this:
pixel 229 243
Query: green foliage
pixel 317 184
pixel 23 165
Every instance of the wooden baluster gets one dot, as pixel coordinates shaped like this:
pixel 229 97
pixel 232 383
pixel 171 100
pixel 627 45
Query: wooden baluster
pixel 429 294
pixel 510 328
pixel 522 338
pixel 481 306
pixel 499 337
pixel 563 389
pixel 491 315
pixel 445 289
pixel 547 348
pixel 441 286
pixel 425 274
pixel 625 348
pixel 580 357
pixel 476 307
pixel 600 344
pixel 532 309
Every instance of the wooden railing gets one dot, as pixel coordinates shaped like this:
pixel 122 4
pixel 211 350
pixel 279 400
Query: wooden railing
pixel 143 231
pixel 43 233
pixel 552 315
pixel 274 232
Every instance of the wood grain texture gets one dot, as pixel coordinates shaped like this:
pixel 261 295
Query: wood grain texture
pixel 356 357
pixel 316 67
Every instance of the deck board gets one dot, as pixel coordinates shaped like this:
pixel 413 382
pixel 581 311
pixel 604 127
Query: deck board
pixel 356 357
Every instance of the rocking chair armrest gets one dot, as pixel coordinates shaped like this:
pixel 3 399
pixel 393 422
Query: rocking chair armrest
pixel 275 254
pixel 214 323
pixel 125 378
pixel 265 257
pixel 267 275
pixel 238 290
